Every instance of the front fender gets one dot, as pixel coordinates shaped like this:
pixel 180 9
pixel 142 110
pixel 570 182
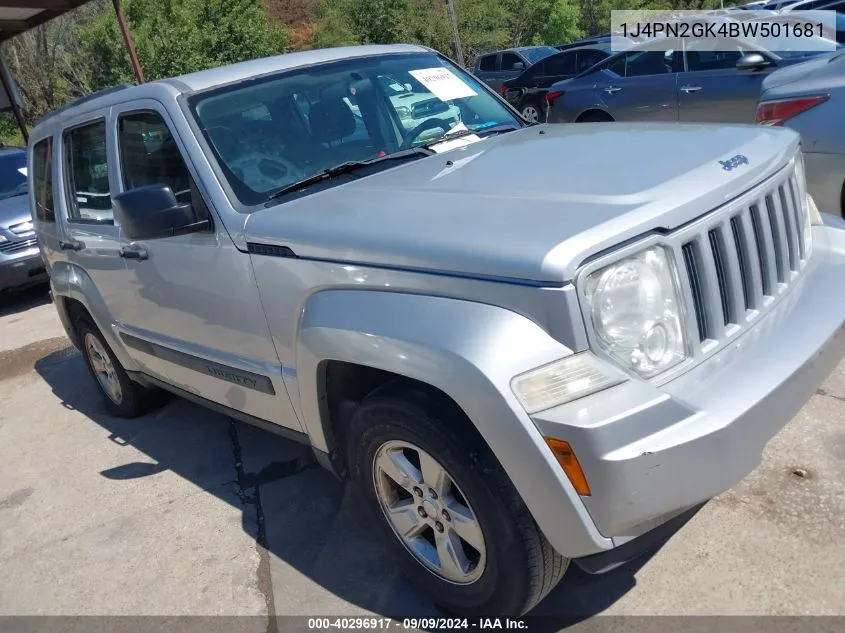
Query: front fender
pixel 73 282
pixel 470 351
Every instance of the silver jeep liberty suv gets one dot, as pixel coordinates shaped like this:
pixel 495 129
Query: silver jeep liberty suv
pixel 523 344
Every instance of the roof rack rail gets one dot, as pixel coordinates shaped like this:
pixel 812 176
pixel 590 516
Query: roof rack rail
pixel 84 99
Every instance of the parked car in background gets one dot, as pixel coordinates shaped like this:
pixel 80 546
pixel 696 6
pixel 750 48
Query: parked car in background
pixel 833 22
pixel 20 258
pixel 778 5
pixel 527 92
pixel 808 5
pixel 688 82
pixel 810 98
pixel 616 38
pixel 494 68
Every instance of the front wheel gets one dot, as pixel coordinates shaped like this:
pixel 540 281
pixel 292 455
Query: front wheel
pixel 122 397
pixel 461 532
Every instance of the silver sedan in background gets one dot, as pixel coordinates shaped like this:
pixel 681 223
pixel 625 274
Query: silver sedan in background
pixel 810 98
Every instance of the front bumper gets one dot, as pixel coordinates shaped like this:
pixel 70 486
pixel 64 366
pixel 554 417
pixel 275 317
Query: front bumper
pixel 22 269
pixel 651 452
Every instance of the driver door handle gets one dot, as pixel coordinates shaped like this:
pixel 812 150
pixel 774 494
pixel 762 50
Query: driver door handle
pixel 689 89
pixel 134 251
pixel 71 245
pixel 611 89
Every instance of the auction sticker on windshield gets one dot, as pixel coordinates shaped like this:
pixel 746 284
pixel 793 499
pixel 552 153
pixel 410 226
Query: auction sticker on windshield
pixel 442 83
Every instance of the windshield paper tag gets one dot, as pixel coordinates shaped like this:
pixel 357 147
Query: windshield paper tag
pixel 442 83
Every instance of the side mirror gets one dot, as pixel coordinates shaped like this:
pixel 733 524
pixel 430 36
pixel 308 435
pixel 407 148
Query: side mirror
pixel 152 211
pixel 409 88
pixel 518 66
pixel 752 61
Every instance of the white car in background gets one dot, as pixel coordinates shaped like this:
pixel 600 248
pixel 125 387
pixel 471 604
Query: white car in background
pixel 412 107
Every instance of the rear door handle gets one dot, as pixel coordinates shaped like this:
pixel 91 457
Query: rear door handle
pixel 689 89
pixel 71 245
pixel 611 89
pixel 134 252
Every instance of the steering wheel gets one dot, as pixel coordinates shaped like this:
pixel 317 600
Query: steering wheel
pixel 428 124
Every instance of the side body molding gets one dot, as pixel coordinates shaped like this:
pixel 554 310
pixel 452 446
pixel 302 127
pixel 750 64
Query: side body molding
pixel 468 350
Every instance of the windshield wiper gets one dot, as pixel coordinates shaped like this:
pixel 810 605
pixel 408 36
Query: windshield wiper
pixel 345 168
pixel 450 136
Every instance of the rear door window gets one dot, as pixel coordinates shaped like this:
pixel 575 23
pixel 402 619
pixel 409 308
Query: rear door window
pixel 562 64
pixel 487 64
pixel 587 59
pixel 89 197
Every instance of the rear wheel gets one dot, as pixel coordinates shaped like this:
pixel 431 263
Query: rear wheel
pixel 595 116
pixel 461 532
pixel 122 396
pixel 533 111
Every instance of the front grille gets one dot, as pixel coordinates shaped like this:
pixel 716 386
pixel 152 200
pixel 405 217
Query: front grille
pixel 17 247
pixel 741 258
pixel 23 228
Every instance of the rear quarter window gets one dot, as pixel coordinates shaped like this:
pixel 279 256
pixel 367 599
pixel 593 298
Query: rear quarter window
pixel 42 180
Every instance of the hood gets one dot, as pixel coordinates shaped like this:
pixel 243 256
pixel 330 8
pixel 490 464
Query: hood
pixel 527 205
pixel 821 73
pixel 14 210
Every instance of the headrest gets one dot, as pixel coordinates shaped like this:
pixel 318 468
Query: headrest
pixel 330 120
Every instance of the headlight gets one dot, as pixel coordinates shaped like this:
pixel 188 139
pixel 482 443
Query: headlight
pixel 809 212
pixel 636 311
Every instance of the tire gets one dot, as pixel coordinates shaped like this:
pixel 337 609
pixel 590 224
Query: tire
pixel 122 396
pixel 595 116
pixel 514 567
pixel 533 111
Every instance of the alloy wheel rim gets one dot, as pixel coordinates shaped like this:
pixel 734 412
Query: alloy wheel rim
pixel 530 113
pixel 428 512
pixel 103 368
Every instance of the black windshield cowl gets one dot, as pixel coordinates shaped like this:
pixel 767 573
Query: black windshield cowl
pixel 346 168
pixel 450 136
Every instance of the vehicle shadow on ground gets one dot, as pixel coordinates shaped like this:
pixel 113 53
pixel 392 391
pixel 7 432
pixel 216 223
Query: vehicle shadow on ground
pixel 17 301
pixel 309 521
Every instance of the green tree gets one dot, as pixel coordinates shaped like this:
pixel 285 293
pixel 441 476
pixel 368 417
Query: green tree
pixel 173 37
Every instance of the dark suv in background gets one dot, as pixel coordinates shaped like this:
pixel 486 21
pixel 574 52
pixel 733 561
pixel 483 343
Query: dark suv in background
pixel 527 92
pixel 494 68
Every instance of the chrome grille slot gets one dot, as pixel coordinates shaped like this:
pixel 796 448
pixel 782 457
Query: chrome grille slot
pixel 744 262
pixel 718 247
pixel 695 287
pixel 789 228
pixel 17 247
pixel 740 259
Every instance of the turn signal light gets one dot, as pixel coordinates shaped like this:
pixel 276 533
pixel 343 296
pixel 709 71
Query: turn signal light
pixel 776 112
pixel 566 458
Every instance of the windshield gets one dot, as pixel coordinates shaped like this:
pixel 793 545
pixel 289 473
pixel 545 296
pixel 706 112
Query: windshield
pixel 13 175
pixel 270 132
pixel 534 55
